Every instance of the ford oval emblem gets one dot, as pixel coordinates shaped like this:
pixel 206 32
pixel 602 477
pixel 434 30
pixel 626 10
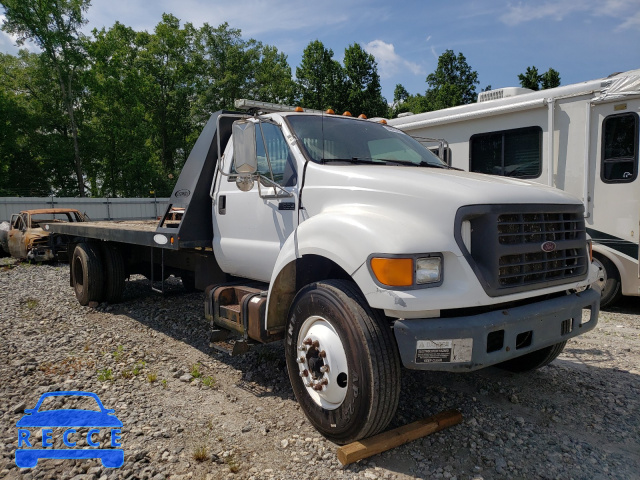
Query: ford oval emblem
pixel 548 247
pixel 182 193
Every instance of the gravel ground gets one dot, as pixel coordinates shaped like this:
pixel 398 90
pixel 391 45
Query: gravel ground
pixel 189 412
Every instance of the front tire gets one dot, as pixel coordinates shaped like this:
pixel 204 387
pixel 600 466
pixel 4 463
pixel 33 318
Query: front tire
pixel 533 360
pixel 87 274
pixel 342 361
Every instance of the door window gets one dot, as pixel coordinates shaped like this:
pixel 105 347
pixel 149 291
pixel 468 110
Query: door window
pixel 269 139
pixel 619 148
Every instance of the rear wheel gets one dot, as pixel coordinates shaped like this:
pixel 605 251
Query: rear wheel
pixel 114 273
pixel 533 360
pixel 342 361
pixel 608 280
pixel 87 273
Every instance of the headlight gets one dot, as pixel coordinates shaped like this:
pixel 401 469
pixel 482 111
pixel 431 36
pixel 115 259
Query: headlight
pixel 428 270
pixel 407 272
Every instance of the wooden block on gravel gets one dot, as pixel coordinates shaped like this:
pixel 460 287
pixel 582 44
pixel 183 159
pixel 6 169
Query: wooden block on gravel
pixel 399 436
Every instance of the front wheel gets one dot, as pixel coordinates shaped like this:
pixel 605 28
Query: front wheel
pixel 342 361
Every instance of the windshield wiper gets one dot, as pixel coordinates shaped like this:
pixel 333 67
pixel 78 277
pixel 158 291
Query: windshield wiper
pixel 422 163
pixel 354 160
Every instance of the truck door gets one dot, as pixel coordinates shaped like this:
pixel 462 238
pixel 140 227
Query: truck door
pixel 248 229
pixel 17 246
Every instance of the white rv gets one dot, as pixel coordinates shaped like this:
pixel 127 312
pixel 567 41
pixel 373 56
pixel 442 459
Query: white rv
pixel 592 153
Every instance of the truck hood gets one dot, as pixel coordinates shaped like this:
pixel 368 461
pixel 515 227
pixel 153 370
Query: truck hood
pixel 436 187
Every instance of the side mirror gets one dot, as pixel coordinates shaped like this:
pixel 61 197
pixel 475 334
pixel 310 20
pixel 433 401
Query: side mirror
pixel 244 147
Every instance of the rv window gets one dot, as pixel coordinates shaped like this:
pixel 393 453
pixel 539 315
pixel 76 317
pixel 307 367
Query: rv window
pixel 619 148
pixel 510 153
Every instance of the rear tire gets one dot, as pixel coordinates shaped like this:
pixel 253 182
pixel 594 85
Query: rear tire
pixel 114 273
pixel 533 360
pixel 609 281
pixel 362 388
pixel 87 273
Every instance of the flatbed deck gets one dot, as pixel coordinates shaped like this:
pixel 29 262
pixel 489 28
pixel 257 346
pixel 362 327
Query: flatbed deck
pixel 135 232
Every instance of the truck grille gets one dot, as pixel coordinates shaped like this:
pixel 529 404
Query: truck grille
pixel 535 247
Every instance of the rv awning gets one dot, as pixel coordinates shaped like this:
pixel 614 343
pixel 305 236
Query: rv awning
pixel 619 88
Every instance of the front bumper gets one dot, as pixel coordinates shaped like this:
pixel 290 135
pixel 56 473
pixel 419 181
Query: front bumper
pixel 472 342
pixel 40 254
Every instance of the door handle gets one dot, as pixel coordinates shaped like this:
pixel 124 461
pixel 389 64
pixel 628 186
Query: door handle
pixel 222 204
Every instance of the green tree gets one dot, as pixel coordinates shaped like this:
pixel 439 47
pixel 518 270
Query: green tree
pixel 169 65
pixel 530 79
pixel 400 94
pixel 321 79
pixel 550 79
pixel 21 167
pixel 54 27
pixel 533 80
pixel 273 81
pixel 229 64
pixel 118 125
pixel 453 82
pixel 363 90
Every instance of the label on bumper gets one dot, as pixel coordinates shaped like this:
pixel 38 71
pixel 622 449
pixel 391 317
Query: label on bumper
pixel 455 350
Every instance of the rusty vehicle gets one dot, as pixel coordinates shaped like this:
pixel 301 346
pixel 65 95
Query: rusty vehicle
pixel 26 239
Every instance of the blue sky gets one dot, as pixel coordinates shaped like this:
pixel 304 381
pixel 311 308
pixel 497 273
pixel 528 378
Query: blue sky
pixel 582 39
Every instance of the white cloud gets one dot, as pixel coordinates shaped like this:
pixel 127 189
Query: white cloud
pixel 558 10
pixel 631 22
pixel 389 62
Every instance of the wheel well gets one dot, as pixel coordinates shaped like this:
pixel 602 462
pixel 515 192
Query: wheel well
pixel 611 259
pixel 294 276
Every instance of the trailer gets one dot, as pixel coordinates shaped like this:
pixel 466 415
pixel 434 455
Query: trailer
pixel 359 249
pixel 581 138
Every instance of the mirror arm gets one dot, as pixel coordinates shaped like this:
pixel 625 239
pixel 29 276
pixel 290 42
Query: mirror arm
pixel 284 194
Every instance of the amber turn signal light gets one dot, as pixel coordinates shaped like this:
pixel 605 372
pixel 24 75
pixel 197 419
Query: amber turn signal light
pixel 395 272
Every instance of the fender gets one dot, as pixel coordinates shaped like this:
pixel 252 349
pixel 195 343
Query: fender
pixel 347 237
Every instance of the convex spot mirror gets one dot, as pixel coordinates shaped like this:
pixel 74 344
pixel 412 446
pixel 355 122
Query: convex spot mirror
pixel 244 147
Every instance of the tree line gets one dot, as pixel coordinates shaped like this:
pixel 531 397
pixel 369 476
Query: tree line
pixel 116 113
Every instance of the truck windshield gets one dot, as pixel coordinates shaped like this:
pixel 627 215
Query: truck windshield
pixel 336 139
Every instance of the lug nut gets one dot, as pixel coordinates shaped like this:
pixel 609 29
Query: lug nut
pixel 324 382
pixel 307 384
pixel 322 354
pixel 315 344
pixel 324 368
pixel 318 388
pixel 307 341
pixel 301 360
pixel 304 373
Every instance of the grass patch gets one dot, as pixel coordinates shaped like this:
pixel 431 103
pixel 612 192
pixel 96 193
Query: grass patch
pixel 105 375
pixel 138 368
pixel 117 354
pixel 127 374
pixel 208 381
pixel 32 303
pixel 152 377
pixel 200 454
pixel 232 464
pixel 195 370
pixel 69 365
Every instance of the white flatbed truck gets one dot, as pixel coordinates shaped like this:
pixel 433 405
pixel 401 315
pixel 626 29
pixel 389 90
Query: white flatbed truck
pixel 360 249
